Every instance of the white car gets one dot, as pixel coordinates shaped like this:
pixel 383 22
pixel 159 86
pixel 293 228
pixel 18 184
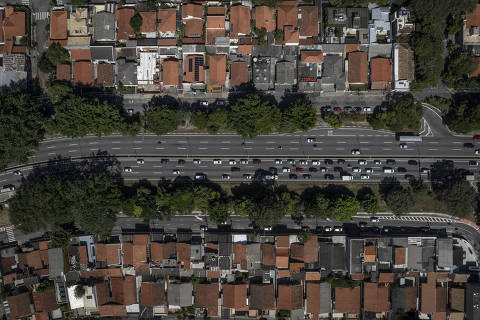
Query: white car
pixel 232 162
pixel 403 146
pixel 367 109
pixel 217 161
pixel 310 140
pixel 356 169
pixel 204 103
pixel 369 170
pixel 291 161
pixel 278 161
pixel 243 161
pixel 327 229
pixel 285 170
pixel 337 229
pixel 364 177
pixel 140 161
pixel 268 228
pixel 304 162
pixel 268 177
pixel 315 162
pixel 225 177
pixel 374 219
pixel 247 176
pixel 362 162
pixel 127 169
pixel 176 172
pixel 130 111
pixel 17 173
pixel 197 161
pixel 477 151
pixel 355 151
pixel 323 169
pixel 377 161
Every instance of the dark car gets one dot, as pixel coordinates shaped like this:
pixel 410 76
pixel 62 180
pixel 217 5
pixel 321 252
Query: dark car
pixel 299 170
pixel 391 162
pixel 307 177
pixel 257 161
pixel 401 169
pixel 312 169
pixel 338 169
pixel 181 161
pixel 234 169
pixel 347 109
pixel 357 109
pixel 328 162
pixel 164 161
pixel 337 109
pixel 409 177
pixel 412 162
pixel 329 176
pixel 468 145
pixel 340 161
pixel 292 176
pixel 273 170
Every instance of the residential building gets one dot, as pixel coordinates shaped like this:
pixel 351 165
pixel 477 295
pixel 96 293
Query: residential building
pixel 403 67
pixel 381 74
pixel 379 26
pixel 264 17
pixel 402 24
pixel 357 70
pixel 239 21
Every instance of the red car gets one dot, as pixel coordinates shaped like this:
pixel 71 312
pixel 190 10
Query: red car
pixel 299 170
pixel 337 109
pixel 476 137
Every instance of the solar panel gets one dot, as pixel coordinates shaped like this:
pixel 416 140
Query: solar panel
pixel 198 63
pixel 190 65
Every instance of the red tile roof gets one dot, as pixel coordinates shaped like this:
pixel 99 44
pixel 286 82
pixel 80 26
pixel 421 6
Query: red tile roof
pixel 192 10
pixel 282 241
pixel 309 21
pixel 109 253
pixel 149 21
pixel 240 251
pixel 124 290
pixel 385 278
pixel 167 19
pixel 245 49
pixel 290 35
pixel 64 72
pixel 433 299
pixel 105 75
pixel 141 239
pixel 347 300
pixel 80 54
pixel 313 276
pixel 381 73
pixel 287 14
pixel 268 254
pixel 310 250
pixel 357 67
pixel 410 298
pixel 313 297
pixel 19 305
pixel 375 298
pixel 170 72
pixel 290 297
pixel 218 69
pixel 82 254
pixel 45 301
pixel 206 296
pixel 13 26
pixel 473 18
pixel 311 56
pixel 189 74
pixel 193 28
pixel 41 315
pixel 134 255
pixel 103 293
pixel 112 310
pixel 160 251
pixel 122 17
pixel 283 273
pixel 235 296
pixel 153 294
pixel 83 73
pixel 58 25
pixel 216 10
pixel 239 21
pixel 400 254
pixel 264 18
pixel 183 255
pixel 43 245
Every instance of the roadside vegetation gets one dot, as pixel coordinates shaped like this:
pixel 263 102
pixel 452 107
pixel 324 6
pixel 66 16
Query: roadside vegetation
pixel 403 114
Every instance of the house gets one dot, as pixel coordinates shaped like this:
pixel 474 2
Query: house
pixel 134 254
pixel 238 73
pixel 444 250
pixel 472 305
pixel 193 71
pixel 20 305
pixel 290 36
pixel 285 73
pixel 239 256
pixel 401 23
pixel 170 72
pixel 262 297
pixel 456 299
pixel 357 25
pixel 318 299
pixel 153 294
pixel 333 73
pixel 254 256
pixel 290 297
pixel 122 19
pixel 235 297
pixel 287 14
pixel 217 71
pixel 375 297
pixel 379 26
pixel 206 296
pixel 309 21
pixel 471 28
pixel 167 22
pixel 331 256
pixel 58 25
pixel 83 73
pixel 310 70
pixel 13 24
pixel 45 301
pixel 347 300
pixel 192 18
pixel 264 17
pixel 434 299
pixel 183 255
pixel 336 25
pixel 108 254
pixel 179 295
pixel 55 263
pixel 381 74
pixel 403 67
pixel 404 299
pixel 147 67
pixel 78 22
pixel 356 256
pixel 149 24
pixel 215 27
pixel 239 21
pixel 104 26
pixel 357 70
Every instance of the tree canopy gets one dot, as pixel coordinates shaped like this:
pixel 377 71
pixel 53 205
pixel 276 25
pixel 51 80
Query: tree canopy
pixel 404 114
pixel 300 115
pixel 459 196
pixel 52 57
pixel 161 119
pixel 136 22
pixel 399 200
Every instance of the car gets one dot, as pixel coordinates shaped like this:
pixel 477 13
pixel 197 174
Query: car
pixel 299 170
pixel 268 177
pixel 369 170
pixel 409 177
pixel 291 161
pixel 197 161
pixel 243 161
pixel 327 229
pixel 326 109
pixel 200 176
pixel 338 169
pixel 164 161
pixel 391 162
pixel 225 177
pixel 362 162
pixel 337 109
pixel 337 229
pixel 362 224
pixel 401 169
pixel 203 228
pixel 204 103
pixel 220 102
pixel 425 170
pixel 140 161
pixel 273 170
pixel 328 162
pixel 403 146
pixel 278 161
pixel 275 177
pixel 17 173
pixel 267 228
pixel 316 162
pixel 217 161
pixel 355 151
pixel 468 145
pixel 329 176
pixel 175 171
pixel 310 140
pixel 356 169
pixel 247 176
pixel 234 169
pixel 476 137
pixel 323 169
pixel 127 169
pixel 377 162
pixel 285 170
pixel 130 111
pixel 473 163
pixel 412 162
pixel 367 109
pixel 181 161
pixel 386 229
pixel 312 169
pixel 340 161
pixel 232 162
pixel 292 176
pixel 257 161
pixel 347 109
pixel 477 151
pixel 374 219
pixel 304 162
pixel 364 176
pixel 357 109
pixel 7 188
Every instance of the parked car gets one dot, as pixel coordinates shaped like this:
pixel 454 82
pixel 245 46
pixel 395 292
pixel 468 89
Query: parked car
pixel 200 176
pixel 225 177
pixel 355 151
pixel 181 161
pixel 316 162
pixel 391 162
pixel 278 161
pixel 329 176
pixel 476 137
pixel 468 145
pixel 310 140
pixel 247 176
pixel 291 161
pixel 377 162
pixel 312 169
pixel 197 161
pixel 327 229
pixel 140 161
pixel 234 169
pixel 257 161
pixel 304 162
pixel 412 162
pixel 299 170
pixel 127 169
pixel 362 162
pixel 356 169
pixel 323 169
pixel 364 177
pixel 337 109
pixel 17 173
pixel 477 151
pixel 340 161
pixel 243 161
pixel 292 176
pixel 176 172
pixel 338 229
pixel 369 170
pixel 164 161
pixel 232 162
pixel 285 170
pixel 307 177
pixel 328 162
pixel 403 146
pixel 204 103
pixel 217 161
pixel 367 109
pixel 374 219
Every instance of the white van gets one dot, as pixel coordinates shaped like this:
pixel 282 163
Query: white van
pixel 388 170
pixel 7 189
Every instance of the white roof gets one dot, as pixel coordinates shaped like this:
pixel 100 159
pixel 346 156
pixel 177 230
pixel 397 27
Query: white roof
pixel 239 238
pixel 75 302
pixel 146 67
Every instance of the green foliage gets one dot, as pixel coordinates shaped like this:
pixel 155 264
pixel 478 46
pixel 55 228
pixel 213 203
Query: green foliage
pixel 251 117
pixel 404 115
pixel 300 115
pixel 60 238
pixel 279 35
pixel 345 208
pixel 352 116
pixel 444 105
pixel 52 57
pixel 46 285
pixel 292 203
pixel 464 118
pixel 459 65
pixel 22 127
pixel 332 119
pixel 304 236
pixel 270 3
pixel 343 282
pixel 213 122
pixel 58 91
pixel 161 119
pixel 79 291
pixel 136 22
pixel 77 117
pixel 460 197
pixel 399 200
pixel 262 36
pixel 368 200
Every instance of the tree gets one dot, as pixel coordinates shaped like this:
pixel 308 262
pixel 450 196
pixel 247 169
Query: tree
pixel 278 35
pixel 58 91
pixel 244 207
pixel 301 115
pixel 211 121
pixel 79 291
pixel 368 200
pixel 52 57
pixel 399 200
pixel 304 236
pixel 292 203
pixel 332 119
pixel 404 114
pixel 60 238
pixel 459 66
pixel 22 127
pixel 250 116
pixel 344 208
pixel 464 118
pixel 161 119
pixel 460 198
pixel 218 211
pixel 136 22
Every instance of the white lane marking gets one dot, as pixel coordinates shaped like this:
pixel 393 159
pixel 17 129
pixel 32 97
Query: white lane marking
pixel 248 148
pixel 341 142
pixel 387 149
pixel 294 142
pixel 339 148
pixel 457 142
pixel 157 172
pixel 93 149
pixel 137 148
pixel 293 148
pixel 72 150
pixel 95 142
pixel 225 148
pixel 50 153
pixel 387 142
pixel 159 148
pixel 73 144
pixel 364 142
pixel 115 148
pixel 137 141
pixel 203 148
pixel 270 142
pixel 456 149
pixel 182 141
pixel 269 148
pixel 225 141
pixel 433 149
pixel 50 147
pixel 157 166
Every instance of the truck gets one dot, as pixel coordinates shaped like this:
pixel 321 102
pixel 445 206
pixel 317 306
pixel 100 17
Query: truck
pixel 404 138
pixel 347 177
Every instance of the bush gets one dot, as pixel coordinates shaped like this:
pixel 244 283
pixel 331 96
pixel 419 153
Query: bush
pixel 136 22
pixel 332 119
pixel 399 200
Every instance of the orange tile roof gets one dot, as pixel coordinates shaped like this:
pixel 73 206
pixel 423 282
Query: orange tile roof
pixel 351 47
pixel 400 254
pixel 216 10
pixel 213 274
pixel 13 26
pixel 170 72
pixel 149 21
pixel 19 305
pixel 381 71
pixel 218 69
pixel 183 255
pixel 290 34
pixel 357 67
pixel 216 22
pixel 206 296
pixel 192 10
pixel 43 245
pixel 124 290
pixel 45 301
pixel 311 56
pixel 310 250
pixel 33 259
pixel 153 294
pixel 211 34
pixel 240 255
pixel 80 54
pixel 41 315
pixel 123 17
pixel 287 14
pixel 264 17
pixel 245 49
pixel 296 267
pixel 386 277
pixel 473 18
pixel 167 19
pixel 112 310
pixel 134 255
pixel 103 293
pixel 434 299
pixel 189 73
pixel 347 300
pixel 58 25
pixel 370 253
pixel 238 73
pixel 193 28
pixel 239 21
pixel 109 253
pixel 282 241
pixel 160 251
pixel 290 297
pixel 105 75
pixel 283 273
pixel 82 254
pixel 141 239
pixel 313 275
pixel 309 21
pixel 268 254
pixel 281 262
pixel 313 297
pixel 100 273
pixel 83 73
pixel 235 296
pixel 375 298
pixel 167 42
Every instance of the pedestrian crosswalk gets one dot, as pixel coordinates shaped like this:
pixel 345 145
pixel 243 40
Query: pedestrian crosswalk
pixel 10 234
pixel 416 218
pixel 26 2
pixel 41 15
